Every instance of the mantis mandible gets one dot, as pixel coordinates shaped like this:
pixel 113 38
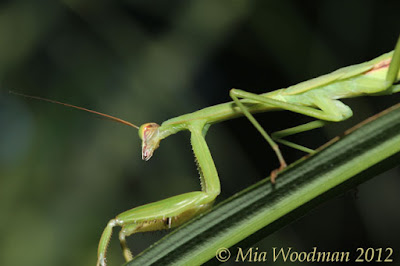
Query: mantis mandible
pixel 317 98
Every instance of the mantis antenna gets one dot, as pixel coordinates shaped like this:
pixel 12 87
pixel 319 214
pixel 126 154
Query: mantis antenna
pixel 113 118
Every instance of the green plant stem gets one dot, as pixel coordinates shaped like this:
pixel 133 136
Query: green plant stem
pixel 264 208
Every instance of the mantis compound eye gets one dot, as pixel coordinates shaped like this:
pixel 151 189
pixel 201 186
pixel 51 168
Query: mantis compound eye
pixel 150 139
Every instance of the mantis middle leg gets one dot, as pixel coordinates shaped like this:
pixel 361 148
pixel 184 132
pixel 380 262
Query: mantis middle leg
pixel 329 110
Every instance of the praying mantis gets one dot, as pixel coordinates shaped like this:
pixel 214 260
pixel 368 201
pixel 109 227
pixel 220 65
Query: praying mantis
pixel 317 98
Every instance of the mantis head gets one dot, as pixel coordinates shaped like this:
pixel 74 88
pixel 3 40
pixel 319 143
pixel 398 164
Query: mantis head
pixel 149 134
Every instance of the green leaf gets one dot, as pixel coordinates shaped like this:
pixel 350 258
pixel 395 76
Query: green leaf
pixel 264 208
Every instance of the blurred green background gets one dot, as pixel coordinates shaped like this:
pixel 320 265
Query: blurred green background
pixel 64 173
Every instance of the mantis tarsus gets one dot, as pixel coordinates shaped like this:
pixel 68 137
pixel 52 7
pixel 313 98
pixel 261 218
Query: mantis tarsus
pixel 317 98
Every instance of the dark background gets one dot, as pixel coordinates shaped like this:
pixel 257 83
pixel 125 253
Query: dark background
pixel 64 173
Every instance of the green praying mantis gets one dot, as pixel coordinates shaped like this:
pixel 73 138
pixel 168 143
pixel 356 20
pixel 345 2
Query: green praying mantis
pixel 317 98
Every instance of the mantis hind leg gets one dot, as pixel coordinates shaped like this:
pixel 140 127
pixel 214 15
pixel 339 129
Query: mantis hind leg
pixel 394 68
pixel 277 136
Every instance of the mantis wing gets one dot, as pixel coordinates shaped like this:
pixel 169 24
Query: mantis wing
pixel 340 74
